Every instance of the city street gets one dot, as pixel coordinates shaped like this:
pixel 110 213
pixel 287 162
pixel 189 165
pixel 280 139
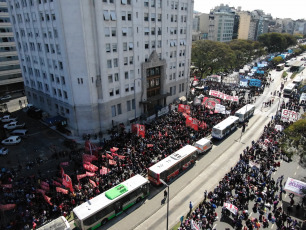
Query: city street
pixel 206 174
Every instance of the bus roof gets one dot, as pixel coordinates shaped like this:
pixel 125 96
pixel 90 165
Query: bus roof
pixel 245 108
pixel 172 159
pixel 59 223
pixel 282 64
pixel 223 124
pixel 92 206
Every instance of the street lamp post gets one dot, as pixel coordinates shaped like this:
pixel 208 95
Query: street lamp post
pixel 168 198
pixel 135 95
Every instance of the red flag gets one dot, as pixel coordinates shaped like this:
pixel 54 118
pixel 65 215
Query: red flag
pixel 166 133
pixel 89 158
pixel 56 183
pixel 141 131
pixel 66 163
pixel 195 124
pixel 7 185
pixel 44 184
pixel 181 108
pixel 149 145
pixel 47 199
pixel 111 162
pixel 80 186
pixel 187 109
pixel 93 183
pixel 40 190
pixel 189 121
pixel 114 154
pixel 108 156
pixel 5 207
pixel 80 176
pixel 159 134
pixel 67 182
pixel 64 191
pixel 62 171
pixel 121 157
pixel 90 167
pixel 104 170
pixel 90 173
pixel 114 149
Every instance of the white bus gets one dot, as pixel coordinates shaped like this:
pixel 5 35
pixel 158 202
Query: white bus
pixel 280 67
pixel 225 127
pixel 107 205
pixel 245 112
pixel 172 165
pixel 289 89
pixel 59 223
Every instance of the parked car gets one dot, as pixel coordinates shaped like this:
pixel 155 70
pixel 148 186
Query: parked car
pixel 3 151
pixel 34 113
pixel 5 97
pixel 23 133
pixel 14 125
pixel 8 118
pixel 12 140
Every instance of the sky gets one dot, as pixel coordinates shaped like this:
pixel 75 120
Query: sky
pixel 295 9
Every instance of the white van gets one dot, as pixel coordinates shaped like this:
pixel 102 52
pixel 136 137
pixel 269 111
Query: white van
pixel 20 132
pixel 203 145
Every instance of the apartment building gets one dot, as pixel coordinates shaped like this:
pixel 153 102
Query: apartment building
pixel 101 63
pixel 10 72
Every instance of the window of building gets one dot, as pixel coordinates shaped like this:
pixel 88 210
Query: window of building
pixel 126 75
pixel 123 15
pixel 117 91
pixel 131 45
pixel 111 92
pixel 119 109
pixel 128 106
pixel 114 29
pixel 116 77
pixel 124 46
pixel 124 32
pixel 109 63
pixel 110 78
pixel 114 46
pixel 113 108
pixel 113 16
pixel 115 60
pixel 107 47
pixel 146 17
pixel 106 32
pixel 127 88
pixel 125 60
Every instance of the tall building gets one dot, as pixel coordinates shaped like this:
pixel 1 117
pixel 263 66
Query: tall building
pixel 10 72
pixel 244 25
pixel 221 23
pixel 101 63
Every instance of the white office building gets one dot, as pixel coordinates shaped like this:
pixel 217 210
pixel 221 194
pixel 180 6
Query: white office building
pixel 96 62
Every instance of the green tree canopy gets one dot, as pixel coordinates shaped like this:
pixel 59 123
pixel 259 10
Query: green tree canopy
pixel 277 42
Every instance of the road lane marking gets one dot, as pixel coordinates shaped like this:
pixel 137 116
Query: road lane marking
pixel 215 226
pixel 294 173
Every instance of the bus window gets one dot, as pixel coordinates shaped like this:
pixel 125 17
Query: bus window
pixel 89 221
pixel 118 207
pixel 100 215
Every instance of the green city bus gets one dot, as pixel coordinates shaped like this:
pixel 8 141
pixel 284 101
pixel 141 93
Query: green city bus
pixel 97 211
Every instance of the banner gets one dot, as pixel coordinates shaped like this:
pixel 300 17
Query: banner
pixel 195 124
pixel 255 82
pixel 289 115
pixel 7 185
pixel 80 176
pixel 181 108
pixel 90 167
pixel 67 182
pixel 210 103
pixel 114 149
pixel 109 156
pixel 189 121
pixel 295 186
pixel 253 164
pixel 220 109
pixel 93 183
pixel 5 207
pixel 61 190
pixel 104 170
pixel 223 96
pixel 121 157
pixel 232 208
pixel 90 174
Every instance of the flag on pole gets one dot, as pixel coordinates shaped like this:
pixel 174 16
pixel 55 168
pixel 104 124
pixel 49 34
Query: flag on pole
pixel 80 176
pixel 61 190
pixel 93 183
pixel 67 182
pixel 47 199
pixel 104 170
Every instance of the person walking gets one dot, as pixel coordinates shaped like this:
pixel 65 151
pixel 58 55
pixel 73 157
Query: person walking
pixel 165 194
pixel 190 207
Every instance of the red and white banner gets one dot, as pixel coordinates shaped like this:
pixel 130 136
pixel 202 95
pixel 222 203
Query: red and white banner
pixel 61 190
pixel 223 96
pixel 139 130
pixel 5 207
pixel 289 115
pixel 210 103
pixel 80 176
pixel 90 167
pixel 232 208
pixel 104 170
pixel 90 173
pixel 93 183
pixel 67 182
pixel 7 185
pixel 183 108
pixel 295 186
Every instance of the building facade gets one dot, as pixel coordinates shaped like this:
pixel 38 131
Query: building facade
pixel 101 63
pixel 10 72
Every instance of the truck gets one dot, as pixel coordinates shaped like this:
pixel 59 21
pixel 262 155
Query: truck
pixel 14 125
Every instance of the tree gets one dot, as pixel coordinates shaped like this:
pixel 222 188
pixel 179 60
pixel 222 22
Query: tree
pixel 294 140
pixel 277 60
pixel 277 42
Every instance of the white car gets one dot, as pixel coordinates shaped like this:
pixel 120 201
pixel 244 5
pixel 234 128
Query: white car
pixel 3 151
pixel 14 125
pixel 12 140
pixel 8 118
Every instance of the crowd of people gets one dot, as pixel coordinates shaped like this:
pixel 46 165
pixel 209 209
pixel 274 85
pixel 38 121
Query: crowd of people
pixel 250 180
pixel 134 155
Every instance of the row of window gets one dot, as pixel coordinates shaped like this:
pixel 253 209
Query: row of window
pixel 116 110
pixel 115 77
pixel 172 76
pixel 25 17
pixel 24 3
pixel 175 6
pixel 46 34
pixel 55 64
pixel 173 89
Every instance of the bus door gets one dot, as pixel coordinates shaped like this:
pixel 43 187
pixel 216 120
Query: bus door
pixel 118 207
